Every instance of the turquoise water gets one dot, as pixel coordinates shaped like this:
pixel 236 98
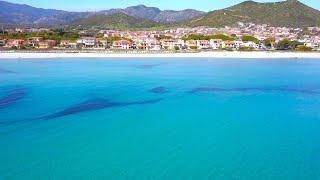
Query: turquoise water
pixel 160 119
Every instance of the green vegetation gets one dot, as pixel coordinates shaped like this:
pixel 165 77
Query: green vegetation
pixel 284 45
pixel 116 38
pixel 245 49
pixel 163 37
pixel 99 36
pixel 269 42
pixel 14 48
pixel 56 34
pixel 250 38
pixel 65 35
pixel 114 21
pixel 304 48
pixel 222 37
pixel 203 37
pixel 196 37
pixel 290 13
pixel 193 47
pixel 288 45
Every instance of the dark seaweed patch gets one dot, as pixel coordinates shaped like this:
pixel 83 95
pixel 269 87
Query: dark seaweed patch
pixel 158 90
pixel 96 104
pixel 12 97
pixel 4 71
pixel 249 89
pixel 87 106
pixel 148 66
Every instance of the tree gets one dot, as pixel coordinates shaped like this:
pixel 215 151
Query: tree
pixel 14 47
pixel 195 37
pixel 117 38
pixel 269 42
pixel 249 38
pixel 223 37
pixel 245 49
pixel 294 44
pixel 99 35
pixel 233 35
pixel 286 45
pixel 304 48
pixel 55 34
pixel 283 45
pixel 203 37
pixel 193 47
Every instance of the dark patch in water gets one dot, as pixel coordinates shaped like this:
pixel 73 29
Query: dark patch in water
pixel 87 106
pixel 246 89
pixel 12 97
pixel 96 104
pixel 148 66
pixel 158 90
pixel 4 71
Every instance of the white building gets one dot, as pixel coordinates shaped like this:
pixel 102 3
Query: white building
pixel 203 44
pixel 216 43
pixel 153 44
pixel 87 42
pixel 171 44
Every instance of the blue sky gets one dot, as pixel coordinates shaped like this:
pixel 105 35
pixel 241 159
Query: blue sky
pixel 80 5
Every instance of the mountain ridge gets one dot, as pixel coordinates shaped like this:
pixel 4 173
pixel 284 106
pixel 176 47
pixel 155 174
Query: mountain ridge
pixel 24 14
pixel 12 13
pixel 118 20
pixel 290 13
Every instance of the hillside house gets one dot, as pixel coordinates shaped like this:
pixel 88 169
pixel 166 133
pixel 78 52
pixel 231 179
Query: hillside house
pixel 102 43
pixel 68 44
pixel 122 44
pixel 2 42
pixel 216 44
pixel 191 44
pixel 171 44
pixel 203 44
pixel 153 44
pixel 18 43
pixel 47 44
pixel 34 41
pixel 87 42
pixel 230 44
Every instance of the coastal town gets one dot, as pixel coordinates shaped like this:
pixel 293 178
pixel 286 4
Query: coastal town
pixel 244 37
pixel 160 89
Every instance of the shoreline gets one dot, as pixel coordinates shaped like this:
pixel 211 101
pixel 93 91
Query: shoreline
pixel 218 54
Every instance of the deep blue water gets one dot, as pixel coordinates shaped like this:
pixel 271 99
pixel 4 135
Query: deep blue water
pixel 160 119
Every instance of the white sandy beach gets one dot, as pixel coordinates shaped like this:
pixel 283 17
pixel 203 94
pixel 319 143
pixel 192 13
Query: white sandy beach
pixel 220 54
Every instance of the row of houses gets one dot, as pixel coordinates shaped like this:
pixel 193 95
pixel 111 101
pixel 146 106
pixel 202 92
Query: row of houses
pixel 143 38
pixel 141 44
pixel 35 42
pixel 150 44
pixel 154 44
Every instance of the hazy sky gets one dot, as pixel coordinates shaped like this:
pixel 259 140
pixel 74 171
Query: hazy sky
pixel 204 5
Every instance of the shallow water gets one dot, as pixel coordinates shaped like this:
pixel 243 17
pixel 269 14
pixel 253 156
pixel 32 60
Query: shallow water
pixel 160 119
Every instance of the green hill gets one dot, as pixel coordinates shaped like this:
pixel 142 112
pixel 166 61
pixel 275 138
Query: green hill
pixel 290 13
pixel 114 21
